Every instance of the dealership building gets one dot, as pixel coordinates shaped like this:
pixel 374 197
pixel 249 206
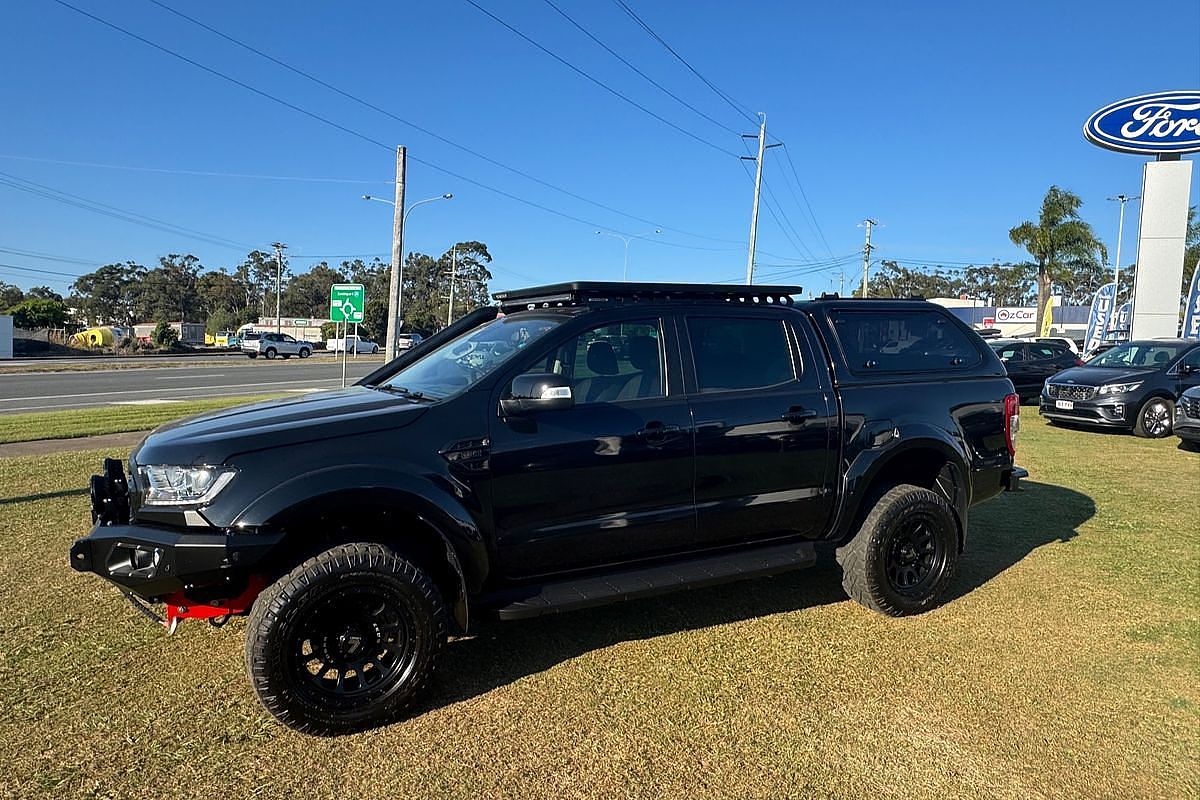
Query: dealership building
pixel 1069 321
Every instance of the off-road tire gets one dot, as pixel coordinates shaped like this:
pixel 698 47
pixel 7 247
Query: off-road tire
pixel 868 576
pixel 1145 426
pixel 270 352
pixel 288 615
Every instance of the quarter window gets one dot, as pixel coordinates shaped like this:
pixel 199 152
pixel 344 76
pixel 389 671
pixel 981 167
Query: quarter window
pixel 902 341
pixel 733 353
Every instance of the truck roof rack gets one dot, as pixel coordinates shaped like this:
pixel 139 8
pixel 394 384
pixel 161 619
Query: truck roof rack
pixel 578 293
pixel 836 296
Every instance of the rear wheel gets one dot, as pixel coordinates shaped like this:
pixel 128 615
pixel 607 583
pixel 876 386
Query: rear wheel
pixel 252 355
pixel 1155 418
pixel 345 641
pixel 270 353
pixel 904 555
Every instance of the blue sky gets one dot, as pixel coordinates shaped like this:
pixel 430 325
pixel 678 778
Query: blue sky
pixel 944 121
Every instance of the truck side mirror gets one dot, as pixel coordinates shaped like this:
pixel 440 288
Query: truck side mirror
pixel 541 391
pixel 1186 369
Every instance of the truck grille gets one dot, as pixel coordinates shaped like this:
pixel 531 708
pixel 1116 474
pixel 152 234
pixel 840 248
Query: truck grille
pixel 1190 406
pixel 1066 391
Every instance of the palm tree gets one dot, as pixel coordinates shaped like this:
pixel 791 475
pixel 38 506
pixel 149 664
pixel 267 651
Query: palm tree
pixel 1058 240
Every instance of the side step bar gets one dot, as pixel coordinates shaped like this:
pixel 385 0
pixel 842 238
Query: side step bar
pixel 585 592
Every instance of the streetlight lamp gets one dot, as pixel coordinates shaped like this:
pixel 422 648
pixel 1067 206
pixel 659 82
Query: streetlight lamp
pixel 627 240
pixel 1122 199
pixel 398 255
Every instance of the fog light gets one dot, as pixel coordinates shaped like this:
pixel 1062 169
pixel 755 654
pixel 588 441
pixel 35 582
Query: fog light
pixel 1119 410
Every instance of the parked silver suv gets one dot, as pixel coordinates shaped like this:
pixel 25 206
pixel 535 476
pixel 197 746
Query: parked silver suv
pixel 270 345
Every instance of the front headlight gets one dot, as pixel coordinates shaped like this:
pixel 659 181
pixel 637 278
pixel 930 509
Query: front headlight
pixel 168 485
pixel 1119 388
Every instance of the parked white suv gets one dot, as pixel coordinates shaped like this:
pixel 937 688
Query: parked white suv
pixel 270 345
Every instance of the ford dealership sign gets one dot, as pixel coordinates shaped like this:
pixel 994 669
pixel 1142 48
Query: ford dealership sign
pixel 1166 122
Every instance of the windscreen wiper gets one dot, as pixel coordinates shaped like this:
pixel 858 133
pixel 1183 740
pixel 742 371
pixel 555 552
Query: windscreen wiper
pixel 400 390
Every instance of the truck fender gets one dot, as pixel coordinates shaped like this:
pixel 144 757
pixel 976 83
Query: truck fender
pixel 883 449
pixel 436 506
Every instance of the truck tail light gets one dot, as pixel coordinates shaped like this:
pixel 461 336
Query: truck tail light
pixel 1079 362
pixel 1012 421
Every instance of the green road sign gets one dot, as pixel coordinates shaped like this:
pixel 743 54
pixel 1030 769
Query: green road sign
pixel 346 302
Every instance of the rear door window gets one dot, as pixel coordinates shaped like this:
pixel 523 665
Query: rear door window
pixel 1041 352
pixel 738 353
pixel 902 341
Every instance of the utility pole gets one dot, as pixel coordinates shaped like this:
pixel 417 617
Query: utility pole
pixel 396 283
pixel 868 222
pixel 758 173
pixel 453 269
pixel 279 248
pixel 841 283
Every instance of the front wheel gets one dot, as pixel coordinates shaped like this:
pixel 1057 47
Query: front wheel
pixel 304 352
pixel 375 350
pixel 345 641
pixel 1154 418
pixel 904 555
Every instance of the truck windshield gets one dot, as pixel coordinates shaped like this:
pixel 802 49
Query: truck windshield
pixel 461 362
pixel 1138 355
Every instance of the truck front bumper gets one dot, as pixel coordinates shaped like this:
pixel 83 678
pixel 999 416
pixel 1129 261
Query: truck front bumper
pixel 157 561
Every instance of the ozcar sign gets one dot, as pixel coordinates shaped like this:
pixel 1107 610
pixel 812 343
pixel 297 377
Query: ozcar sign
pixel 1166 122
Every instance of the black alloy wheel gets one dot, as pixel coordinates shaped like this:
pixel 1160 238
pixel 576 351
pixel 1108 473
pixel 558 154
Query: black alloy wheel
pixel 355 644
pixel 915 556
pixel 348 640
pixel 904 555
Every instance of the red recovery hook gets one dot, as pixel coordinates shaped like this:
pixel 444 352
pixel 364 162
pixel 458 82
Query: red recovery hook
pixel 178 606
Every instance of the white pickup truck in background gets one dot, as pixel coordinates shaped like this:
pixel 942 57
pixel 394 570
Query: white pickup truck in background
pixel 355 344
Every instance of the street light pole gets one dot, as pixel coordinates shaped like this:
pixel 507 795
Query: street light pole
pixel 279 248
pixel 396 286
pixel 1122 199
pixel 627 240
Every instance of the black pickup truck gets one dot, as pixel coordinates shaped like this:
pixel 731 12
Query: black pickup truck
pixel 574 445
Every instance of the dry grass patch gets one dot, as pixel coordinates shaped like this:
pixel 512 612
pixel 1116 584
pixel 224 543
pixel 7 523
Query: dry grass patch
pixel 1064 666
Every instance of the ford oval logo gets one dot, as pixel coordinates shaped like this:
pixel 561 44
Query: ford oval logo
pixel 1166 122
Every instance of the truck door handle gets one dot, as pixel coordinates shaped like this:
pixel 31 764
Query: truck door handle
pixel 656 431
pixel 798 414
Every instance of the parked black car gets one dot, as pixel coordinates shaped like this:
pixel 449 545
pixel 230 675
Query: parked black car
pixel 1132 386
pixel 1029 364
pixel 1187 418
pixel 516 465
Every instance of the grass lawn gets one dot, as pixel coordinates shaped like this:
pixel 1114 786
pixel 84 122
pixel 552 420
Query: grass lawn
pixel 1066 664
pixel 76 422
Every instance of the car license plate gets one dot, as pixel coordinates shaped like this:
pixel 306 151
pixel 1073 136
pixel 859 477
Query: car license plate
pixel 1065 405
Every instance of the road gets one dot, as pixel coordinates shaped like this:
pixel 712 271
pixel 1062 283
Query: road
pixel 47 391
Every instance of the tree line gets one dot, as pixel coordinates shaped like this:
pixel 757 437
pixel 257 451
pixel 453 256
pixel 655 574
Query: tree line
pixel 180 288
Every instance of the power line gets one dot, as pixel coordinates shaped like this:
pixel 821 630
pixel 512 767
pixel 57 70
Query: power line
pixel 200 173
pixel 340 127
pixel 374 107
pixel 35 269
pixel 653 82
pixel 641 23
pixel 50 193
pixel 799 185
pixel 46 256
pixel 597 81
